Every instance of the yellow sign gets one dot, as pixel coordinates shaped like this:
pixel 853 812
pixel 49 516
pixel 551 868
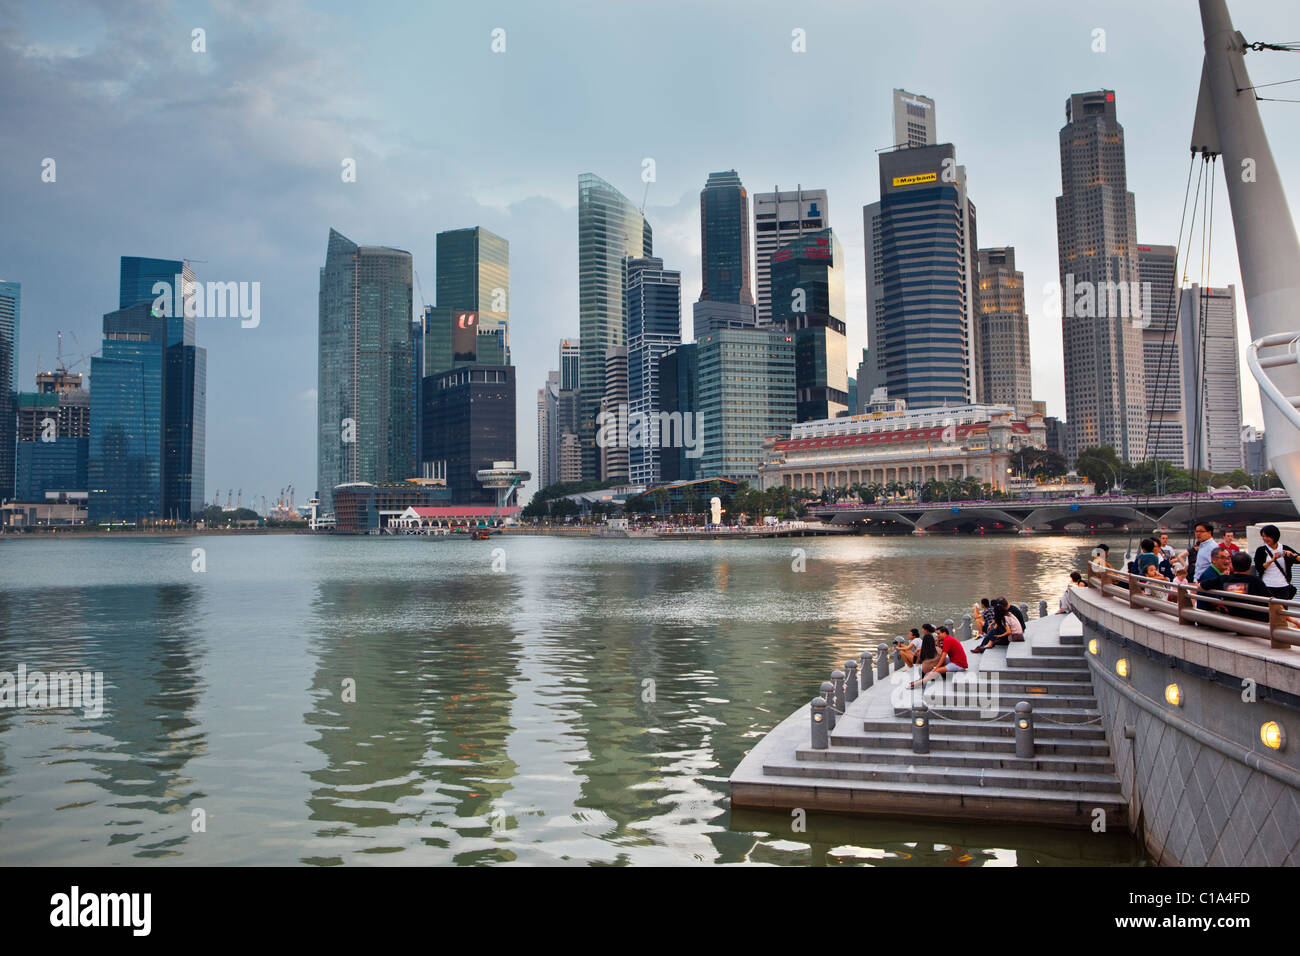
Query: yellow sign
pixel 918 178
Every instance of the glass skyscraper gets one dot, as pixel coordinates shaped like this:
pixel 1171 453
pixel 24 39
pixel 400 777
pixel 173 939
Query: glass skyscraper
pixel 365 406
pixel 724 240
pixel 10 309
pixel 653 297
pixel 807 280
pixel 473 273
pixel 610 229
pixel 745 392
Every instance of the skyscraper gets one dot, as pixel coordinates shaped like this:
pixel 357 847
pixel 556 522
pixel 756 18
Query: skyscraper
pixel 365 414
pixel 10 311
pixel 1211 378
pixel 921 271
pixel 473 274
pixel 610 229
pixel 613 450
pixel 469 423
pixel 1161 347
pixel 913 119
pixel 570 355
pixel 745 392
pixel 1105 384
pixel 53 436
pixel 548 444
pixel 678 380
pixel 654 325
pixel 807 284
pixel 724 240
pixel 780 217
pixel 1004 377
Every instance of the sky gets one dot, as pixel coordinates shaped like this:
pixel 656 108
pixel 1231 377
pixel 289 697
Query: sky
pixel 231 157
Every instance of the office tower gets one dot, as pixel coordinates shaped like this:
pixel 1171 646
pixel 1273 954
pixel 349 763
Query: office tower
pixel 1054 430
pixel 864 386
pixel 1105 384
pixel 570 455
pixel 1003 333
pixel 548 438
pixel 1207 320
pixel 913 119
pixel 570 353
pixel 1166 440
pixel 807 283
pixel 610 229
pixel 709 316
pixel 469 423
pixel 153 281
pixel 745 392
pixel 451 340
pixel 128 417
pixel 473 274
pixel 853 397
pixel 10 310
pixel 1253 450
pixel 365 410
pixel 724 240
pixel 678 379
pixel 780 217
pixel 653 303
pixel 611 423
pixel 921 272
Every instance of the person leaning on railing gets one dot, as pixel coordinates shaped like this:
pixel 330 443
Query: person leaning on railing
pixel 1273 563
pixel 1240 580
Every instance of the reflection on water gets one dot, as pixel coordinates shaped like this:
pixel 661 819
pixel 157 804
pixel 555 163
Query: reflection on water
pixel 334 700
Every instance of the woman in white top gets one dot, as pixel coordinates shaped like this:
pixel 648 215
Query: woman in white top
pixel 1273 563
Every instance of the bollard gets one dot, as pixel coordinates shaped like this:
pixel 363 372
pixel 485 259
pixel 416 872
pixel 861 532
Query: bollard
pixel 1024 609
pixel 821 737
pixel 920 731
pixel 951 625
pixel 837 683
pixel 850 680
pixel 882 662
pixel 1042 609
pixel 964 632
pixel 1024 729
pixel 828 692
pixel 867 672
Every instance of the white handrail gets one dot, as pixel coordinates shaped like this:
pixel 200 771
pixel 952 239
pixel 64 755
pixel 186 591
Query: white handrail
pixel 1257 367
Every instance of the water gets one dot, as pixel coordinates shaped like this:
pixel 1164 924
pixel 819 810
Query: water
pixel 583 704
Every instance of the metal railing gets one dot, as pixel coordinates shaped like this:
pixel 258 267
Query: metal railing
pixel 1274 619
pixel 1283 352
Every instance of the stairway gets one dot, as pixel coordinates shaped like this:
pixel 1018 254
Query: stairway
pixel 972 768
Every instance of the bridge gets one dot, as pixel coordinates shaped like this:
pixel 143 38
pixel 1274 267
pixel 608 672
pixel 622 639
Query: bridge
pixel 1063 515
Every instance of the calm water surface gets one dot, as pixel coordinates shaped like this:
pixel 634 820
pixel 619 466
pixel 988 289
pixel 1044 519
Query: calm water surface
pixel 500 715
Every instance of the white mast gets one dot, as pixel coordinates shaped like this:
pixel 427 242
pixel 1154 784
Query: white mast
pixel 1228 124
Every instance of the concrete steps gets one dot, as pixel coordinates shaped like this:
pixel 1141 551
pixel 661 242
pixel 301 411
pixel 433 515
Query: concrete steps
pixel 881 752
pixel 968 776
pixel 984 728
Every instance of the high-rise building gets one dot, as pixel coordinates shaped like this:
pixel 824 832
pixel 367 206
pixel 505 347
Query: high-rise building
pixel 10 311
pixel 1211 378
pixel 864 385
pixel 365 400
pixel 570 356
pixel 548 439
pixel 724 240
pixel 610 229
pixel 745 392
pixel 128 417
pixel 653 297
pixel 473 274
pixel 148 280
pixel 469 423
pixel 1105 383
pixel 913 119
pixel 53 437
pixel 780 217
pixel 921 259
pixel 1004 377
pixel 1253 450
pixel 1166 440
pixel 613 410
pixel 808 303
pixel 678 380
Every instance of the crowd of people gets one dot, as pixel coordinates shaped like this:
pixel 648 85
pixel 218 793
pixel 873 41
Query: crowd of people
pixel 1212 565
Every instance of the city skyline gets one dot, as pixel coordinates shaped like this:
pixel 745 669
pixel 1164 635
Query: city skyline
pixel 263 438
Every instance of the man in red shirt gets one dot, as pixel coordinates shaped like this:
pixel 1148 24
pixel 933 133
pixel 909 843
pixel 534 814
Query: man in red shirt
pixel 951 658
pixel 1228 543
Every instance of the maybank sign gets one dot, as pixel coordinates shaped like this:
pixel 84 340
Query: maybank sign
pixel 915 179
